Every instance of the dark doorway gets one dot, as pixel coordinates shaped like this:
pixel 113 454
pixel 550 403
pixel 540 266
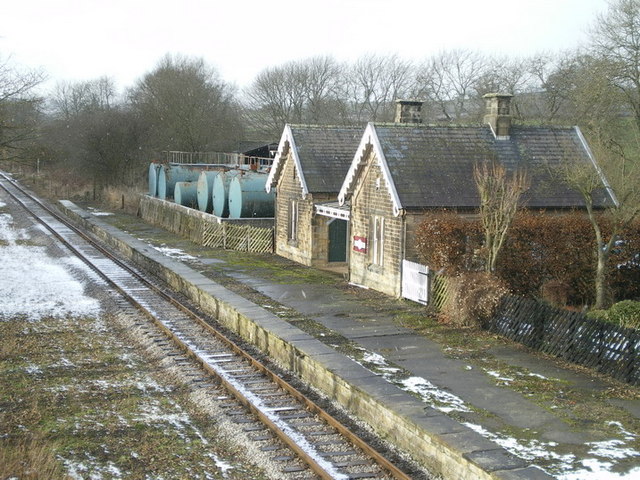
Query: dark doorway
pixel 338 241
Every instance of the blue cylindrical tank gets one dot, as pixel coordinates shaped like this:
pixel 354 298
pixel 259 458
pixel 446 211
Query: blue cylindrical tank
pixel 185 193
pixel 220 195
pixel 154 168
pixel 170 173
pixel 248 198
pixel 205 190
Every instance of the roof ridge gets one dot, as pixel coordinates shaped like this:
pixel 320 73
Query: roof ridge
pixel 467 125
pixel 319 127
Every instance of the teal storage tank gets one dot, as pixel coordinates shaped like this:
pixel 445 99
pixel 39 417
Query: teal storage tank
pixel 170 173
pixel 185 193
pixel 205 190
pixel 220 195
pixel 248 198
pixel 154 169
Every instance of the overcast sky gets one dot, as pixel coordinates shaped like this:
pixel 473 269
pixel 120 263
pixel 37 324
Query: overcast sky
pixel 124 39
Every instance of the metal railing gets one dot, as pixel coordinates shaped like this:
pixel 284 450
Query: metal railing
pixel 215 158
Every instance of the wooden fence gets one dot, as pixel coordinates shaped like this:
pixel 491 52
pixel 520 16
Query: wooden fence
pixel 244 238
pixel 572 336
pixel 440 291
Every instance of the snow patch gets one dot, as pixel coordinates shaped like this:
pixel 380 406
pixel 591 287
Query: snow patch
pixel 98 213
pixel 174 253
pixel 439 399
pixel 36 285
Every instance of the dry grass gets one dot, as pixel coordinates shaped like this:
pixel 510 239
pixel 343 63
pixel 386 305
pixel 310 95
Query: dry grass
pixel 121 198
pixel 77 400
pixel 29 459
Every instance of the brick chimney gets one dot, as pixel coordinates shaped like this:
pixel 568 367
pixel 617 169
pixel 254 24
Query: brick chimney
pixel 498 114
pixel 408 111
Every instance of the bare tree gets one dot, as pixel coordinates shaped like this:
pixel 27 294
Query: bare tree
pixel 499 195
pixel 19 110
pixel 186 106
pixel 373 84
pixel 615 38
pixel 506 75
pixel 449 81
pixel 323 79
pixel 305 91
pixel 69 99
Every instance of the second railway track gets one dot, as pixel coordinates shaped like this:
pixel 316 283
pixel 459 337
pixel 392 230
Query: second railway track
pixel 302 437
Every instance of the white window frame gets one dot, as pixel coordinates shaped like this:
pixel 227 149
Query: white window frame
pixel 378 240
pixel 293 221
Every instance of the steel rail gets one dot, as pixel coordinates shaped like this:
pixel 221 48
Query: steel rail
pixel 314 408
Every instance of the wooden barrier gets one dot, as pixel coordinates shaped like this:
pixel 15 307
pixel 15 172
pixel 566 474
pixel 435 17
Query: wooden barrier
pixel 573 336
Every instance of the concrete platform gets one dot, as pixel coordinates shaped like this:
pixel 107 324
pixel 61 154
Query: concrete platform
pixel 433 434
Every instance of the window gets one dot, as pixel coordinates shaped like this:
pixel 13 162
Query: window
pixel 378 240
pixel 292 233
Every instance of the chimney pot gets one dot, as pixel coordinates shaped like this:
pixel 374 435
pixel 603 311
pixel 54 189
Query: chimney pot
pixel 408 111
pixel 498 113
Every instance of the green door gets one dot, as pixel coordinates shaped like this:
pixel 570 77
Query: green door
pixel 338 241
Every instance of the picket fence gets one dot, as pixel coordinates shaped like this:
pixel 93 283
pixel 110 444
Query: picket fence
pixel 573 336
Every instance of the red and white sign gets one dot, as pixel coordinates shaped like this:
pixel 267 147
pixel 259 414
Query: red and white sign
pixel 359 244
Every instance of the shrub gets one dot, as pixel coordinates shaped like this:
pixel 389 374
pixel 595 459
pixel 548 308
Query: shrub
pixel 542 247
pixel 556 292
pixel 473 299
pixel 626 314
pixel 602 315
pixel 446 241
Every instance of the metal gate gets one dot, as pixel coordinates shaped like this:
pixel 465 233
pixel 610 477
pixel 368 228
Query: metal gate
pixel 415 282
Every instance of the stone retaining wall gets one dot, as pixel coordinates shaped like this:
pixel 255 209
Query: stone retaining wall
pixel 433 439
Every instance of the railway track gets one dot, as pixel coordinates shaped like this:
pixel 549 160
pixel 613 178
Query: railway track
pixel 300 436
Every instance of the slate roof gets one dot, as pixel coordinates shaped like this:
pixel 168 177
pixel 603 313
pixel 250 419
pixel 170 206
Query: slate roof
pixel 432 166
pixel 324 154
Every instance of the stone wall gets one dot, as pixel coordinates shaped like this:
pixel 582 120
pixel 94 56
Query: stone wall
pixel 200 227
pixel 371 197
pixel 301 249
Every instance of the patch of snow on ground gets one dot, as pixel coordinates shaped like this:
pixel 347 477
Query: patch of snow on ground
pixel 221 464
pixel 174 253
pixel 8 233
pixel 613 449
pixel 627 434
pixel 598 470
pixel 429 393
pixel 98 213
pixel 566 467
pixel 34 284
pixel 439 399
pixel 375 358
pixel 498 376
